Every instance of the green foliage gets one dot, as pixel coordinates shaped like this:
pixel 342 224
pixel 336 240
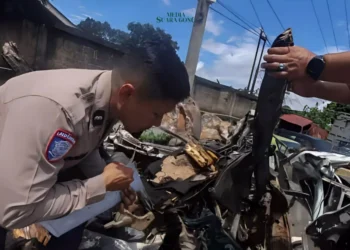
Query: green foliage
pixel 286 107
pixel 158 138
pixel 324 118
pixel 137 35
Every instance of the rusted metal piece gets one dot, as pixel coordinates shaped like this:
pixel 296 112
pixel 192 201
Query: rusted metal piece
pixel 280 236
pixel 296 119
pixel 201 156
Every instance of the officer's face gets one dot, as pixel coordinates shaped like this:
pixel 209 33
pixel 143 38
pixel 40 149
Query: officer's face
pixel 138 114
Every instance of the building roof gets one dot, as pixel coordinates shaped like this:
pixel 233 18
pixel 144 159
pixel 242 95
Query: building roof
pixel 296 119
pixel 219 86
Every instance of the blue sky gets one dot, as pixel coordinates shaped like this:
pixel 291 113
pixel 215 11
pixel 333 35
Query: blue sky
pixel 228 50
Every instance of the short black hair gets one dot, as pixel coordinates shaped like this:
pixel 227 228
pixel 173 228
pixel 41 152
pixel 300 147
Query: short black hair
pixel 156 70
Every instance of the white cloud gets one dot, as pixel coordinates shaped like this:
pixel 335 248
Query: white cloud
pixel 233 62
pixel 86 15
pixel 166 2
pixel 77 17
pixel 232 39
pixel 200 65
pixel 331 49
pixel 232 66
pixel 297 102
pixel 212 26
pixel 97 14
pixel 341 23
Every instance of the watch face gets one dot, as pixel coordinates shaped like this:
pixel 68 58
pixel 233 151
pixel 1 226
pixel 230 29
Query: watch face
pixel 317 64
pixel 315 67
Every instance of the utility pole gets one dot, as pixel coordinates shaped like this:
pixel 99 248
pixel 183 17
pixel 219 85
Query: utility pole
pixel 264 38
pixel 254 62
pixel 196 39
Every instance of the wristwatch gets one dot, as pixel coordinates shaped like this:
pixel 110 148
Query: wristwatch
pixel 315 67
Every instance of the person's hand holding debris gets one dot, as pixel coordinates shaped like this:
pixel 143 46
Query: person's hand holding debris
pixel 290 63
pixel 129 200
pixel 293 59
pixel 117 176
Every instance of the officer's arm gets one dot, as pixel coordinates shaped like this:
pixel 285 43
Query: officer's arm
pixel 93 164
pixel 31 155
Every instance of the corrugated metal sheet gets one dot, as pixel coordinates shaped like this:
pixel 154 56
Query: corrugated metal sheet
pixel 296 119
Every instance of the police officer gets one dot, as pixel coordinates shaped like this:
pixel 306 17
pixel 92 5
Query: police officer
pixel 51 121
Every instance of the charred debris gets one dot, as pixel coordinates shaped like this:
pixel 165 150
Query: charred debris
pixel 214 190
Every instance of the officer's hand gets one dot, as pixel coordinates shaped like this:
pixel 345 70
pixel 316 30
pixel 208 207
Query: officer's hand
pixel 128 196
pixel 131 203
pixel 117 176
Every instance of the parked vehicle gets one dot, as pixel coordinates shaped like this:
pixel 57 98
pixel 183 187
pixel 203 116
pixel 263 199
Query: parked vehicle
pixel 285 145
pixel 306 141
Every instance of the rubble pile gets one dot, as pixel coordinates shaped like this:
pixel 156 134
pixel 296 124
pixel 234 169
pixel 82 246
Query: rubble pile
pixel 194 196
pixel 185 120
pixel 213 128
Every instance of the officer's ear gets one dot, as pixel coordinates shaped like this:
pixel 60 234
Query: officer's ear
pixel 125 92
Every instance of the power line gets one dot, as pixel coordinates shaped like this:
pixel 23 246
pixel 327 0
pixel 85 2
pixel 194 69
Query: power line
pixel 273 10
pixel 347 21
pixel 237 16
pixel 257 17
pixel 234 21
pixel 319 24
pixel 330 16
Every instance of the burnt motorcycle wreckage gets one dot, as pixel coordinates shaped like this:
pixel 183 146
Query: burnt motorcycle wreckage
pixel 206 195
pixel 210 195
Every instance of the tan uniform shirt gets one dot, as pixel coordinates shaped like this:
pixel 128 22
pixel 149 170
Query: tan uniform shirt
pixel 49 121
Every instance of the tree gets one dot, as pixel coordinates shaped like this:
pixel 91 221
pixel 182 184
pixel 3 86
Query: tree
pixel 137 35
pixel 286 107
pixel 324 118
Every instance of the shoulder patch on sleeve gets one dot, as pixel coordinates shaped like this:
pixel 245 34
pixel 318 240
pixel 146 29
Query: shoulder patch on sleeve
pixel 59 145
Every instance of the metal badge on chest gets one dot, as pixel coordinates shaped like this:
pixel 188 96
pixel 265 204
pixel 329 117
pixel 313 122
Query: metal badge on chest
pixel 98 118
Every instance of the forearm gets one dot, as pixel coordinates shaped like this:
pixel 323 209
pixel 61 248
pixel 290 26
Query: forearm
pixel 332 91
pixel 337 68
pixel 62 199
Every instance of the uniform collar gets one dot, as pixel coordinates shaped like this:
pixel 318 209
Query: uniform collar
pixel 100 110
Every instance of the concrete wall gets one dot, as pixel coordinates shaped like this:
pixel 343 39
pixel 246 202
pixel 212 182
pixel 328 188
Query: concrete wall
pixel 52 48
pixel 217 98
pixel 67 51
